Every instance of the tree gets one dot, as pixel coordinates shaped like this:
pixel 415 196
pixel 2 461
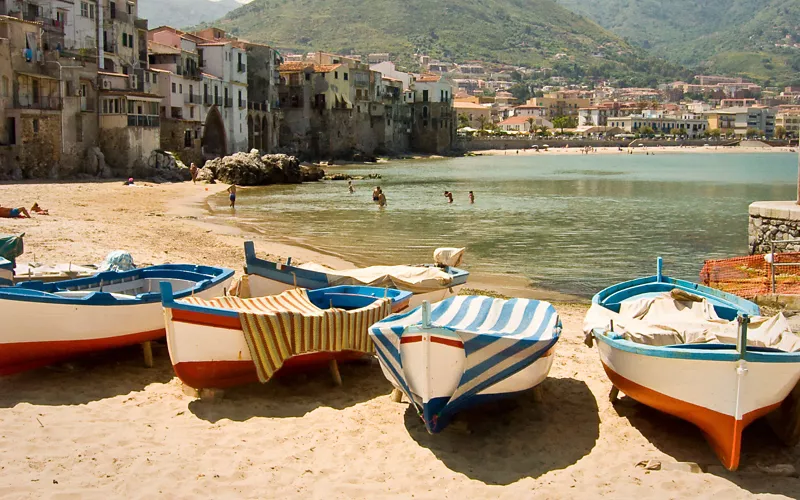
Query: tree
pixel 780 132
pixel 752 132
pixel 544 131
pixel 563 122
pixel 482 121
pixel 647 130
pixel 531 125
pixel 463 120
pixel 715 133
pixel 675 131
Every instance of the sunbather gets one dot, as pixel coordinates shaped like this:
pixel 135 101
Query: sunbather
pixel 14 213
pixel 39 210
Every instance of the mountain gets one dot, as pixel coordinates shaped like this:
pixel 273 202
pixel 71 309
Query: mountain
pixel 530 32
pixel 723 36
pixel 183 13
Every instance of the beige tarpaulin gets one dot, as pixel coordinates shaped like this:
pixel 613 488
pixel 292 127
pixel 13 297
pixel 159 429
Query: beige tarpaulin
pixel 416 279
pixel 682 318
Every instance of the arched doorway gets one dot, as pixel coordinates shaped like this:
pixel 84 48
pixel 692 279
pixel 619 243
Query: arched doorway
pixel 214 140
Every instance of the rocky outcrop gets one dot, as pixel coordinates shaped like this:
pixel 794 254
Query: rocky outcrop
pixel 252 169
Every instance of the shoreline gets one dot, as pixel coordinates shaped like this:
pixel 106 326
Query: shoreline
pixel 104 426
pixel 637 150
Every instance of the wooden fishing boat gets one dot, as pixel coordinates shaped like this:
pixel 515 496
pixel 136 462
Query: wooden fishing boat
pixel 229 341
pixel 6 272
pixel 720 387
pixel 48 322
pixel 466 350
pixel 429 282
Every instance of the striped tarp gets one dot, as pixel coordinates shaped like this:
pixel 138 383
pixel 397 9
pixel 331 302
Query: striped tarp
pixel 281 326
pixel 501 337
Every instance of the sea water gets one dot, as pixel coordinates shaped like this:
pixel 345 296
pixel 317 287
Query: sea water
pixel 570 223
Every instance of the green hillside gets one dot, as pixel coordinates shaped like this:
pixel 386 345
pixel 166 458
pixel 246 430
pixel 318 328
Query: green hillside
pixel 530 32
pixel 731 36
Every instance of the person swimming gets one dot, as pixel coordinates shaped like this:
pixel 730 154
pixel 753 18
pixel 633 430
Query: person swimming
pixel 471 197
pixel 232 197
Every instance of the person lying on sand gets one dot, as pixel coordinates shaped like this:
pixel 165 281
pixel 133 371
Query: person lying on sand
pixel 39 210
pixel 14 213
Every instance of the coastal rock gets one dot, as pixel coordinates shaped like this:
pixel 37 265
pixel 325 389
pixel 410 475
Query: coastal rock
pixel 252 169
pixel 311 173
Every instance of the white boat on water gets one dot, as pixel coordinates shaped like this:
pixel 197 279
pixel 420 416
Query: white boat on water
pixel 466 350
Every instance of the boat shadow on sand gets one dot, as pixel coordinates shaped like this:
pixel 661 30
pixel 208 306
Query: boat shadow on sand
pixel 685 443
pixel 296 394
pixel 502 442
pixel 88 378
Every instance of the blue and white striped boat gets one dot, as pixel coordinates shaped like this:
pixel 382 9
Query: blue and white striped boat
pixel 465 350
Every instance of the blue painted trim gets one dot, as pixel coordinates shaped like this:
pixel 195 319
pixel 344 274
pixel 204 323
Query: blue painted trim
pixel 304 278
pixel 321 298
pixel 37 291
pixel 699 352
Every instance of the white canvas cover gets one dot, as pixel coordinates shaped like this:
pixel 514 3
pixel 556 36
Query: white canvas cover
pixel 416 279
pixel 682 318
pixel 448 256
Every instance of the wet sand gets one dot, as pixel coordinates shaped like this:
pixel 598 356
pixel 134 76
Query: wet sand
pixel 104 426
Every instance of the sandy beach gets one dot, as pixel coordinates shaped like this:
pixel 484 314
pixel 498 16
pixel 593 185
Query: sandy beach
pixel 577 150
pixel 105 426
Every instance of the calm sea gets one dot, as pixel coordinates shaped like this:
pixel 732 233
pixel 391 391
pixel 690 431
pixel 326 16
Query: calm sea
pixel 573 224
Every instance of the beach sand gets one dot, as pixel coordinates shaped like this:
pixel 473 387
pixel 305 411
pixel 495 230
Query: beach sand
pixel 104 426
pixel 576 150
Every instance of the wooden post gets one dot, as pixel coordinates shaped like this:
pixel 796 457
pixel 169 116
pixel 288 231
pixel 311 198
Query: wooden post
pixel 538 394
pixel 147 349
pixel 396 396
pixel 334 366
pixel 613 394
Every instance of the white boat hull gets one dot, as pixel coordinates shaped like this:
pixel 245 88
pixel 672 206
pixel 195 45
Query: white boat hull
pixel 37 334
pixel 720 397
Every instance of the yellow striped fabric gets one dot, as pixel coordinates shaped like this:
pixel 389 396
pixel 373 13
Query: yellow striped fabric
pixel 281 326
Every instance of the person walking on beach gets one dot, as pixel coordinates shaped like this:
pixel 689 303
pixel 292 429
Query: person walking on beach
pixel 449 196
pixel 193 171
pixel 376 194
pixel 471 197
pixel 232 196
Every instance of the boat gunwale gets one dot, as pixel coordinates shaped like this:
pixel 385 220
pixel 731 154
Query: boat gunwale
pixel 29 291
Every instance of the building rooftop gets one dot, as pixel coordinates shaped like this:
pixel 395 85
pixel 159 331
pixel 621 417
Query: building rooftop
pixel 160 48
pixel 467 105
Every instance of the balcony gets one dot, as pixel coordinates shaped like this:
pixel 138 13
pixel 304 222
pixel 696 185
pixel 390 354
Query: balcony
pixel 143 121
pixel 228 102
pixel 143 56
pixel 51 25
pixel 193 99
pixel 36 102
pixel 110 47
pixel 141 24
pixel 242 67
pixel 121 16
pixel 207 100
pixel 218 100
pixel 242 104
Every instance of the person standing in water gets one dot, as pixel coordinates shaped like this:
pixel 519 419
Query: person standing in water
pixel 376 194
pixel 471 197
pixel 381 200
pixel 350 187
pixel 232 196
pixel 449 196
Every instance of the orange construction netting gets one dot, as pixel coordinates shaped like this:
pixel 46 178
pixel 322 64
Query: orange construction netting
pixel 752 275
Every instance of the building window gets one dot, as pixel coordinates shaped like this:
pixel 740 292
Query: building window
pixel 35 125
pixel 124 37
pixel 155 78
pixel 191 112
pixel 180 88
pixel 308 77
pixel 84 9
pixel 335 75
pixel 130 8
pixel 173 87
pixel 345 76
pixel 5 86
pixel 147 77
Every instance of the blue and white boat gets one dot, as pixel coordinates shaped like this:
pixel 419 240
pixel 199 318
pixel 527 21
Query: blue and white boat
pixel 678 347
pixel 431 282
pixel 49 322
pixel 6 272
pixel 466 350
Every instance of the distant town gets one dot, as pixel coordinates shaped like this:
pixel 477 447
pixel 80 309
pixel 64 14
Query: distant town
pixel 86 80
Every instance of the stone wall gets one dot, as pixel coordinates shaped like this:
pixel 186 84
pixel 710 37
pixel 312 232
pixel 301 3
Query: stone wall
pixel 433 127
pixel 127 149
pixel 38 153
pixel 173 139
pixel 774 221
